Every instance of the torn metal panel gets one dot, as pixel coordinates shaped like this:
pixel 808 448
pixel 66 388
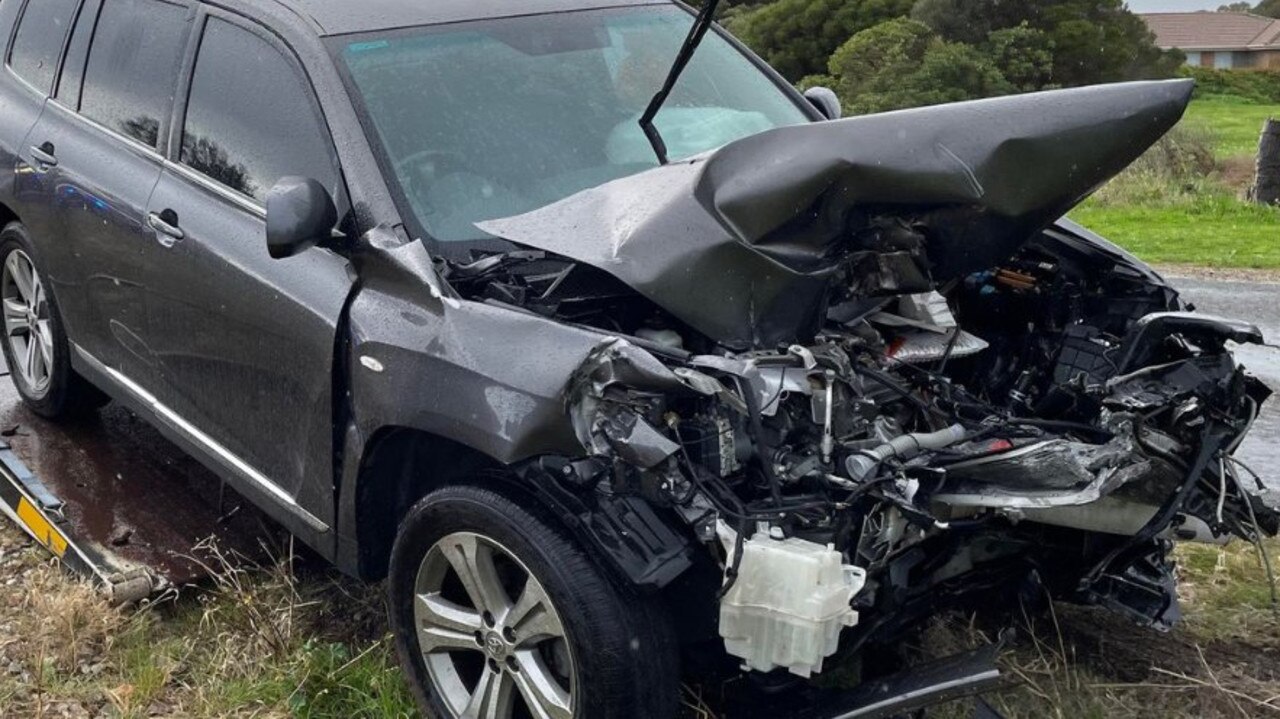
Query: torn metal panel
pixel 762 224
pixel 926 347
pixel 1207 331
pixel 614 388
pixel 625 435
pixel 1114 515
pixel 1029 481
pixel 1051 464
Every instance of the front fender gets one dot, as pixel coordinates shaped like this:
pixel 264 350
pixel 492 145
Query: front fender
pixel 484 376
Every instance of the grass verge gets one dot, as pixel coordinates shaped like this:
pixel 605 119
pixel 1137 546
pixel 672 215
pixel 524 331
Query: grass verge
pixel 1183 202
pixel 1212 229
pixel 1236 122
pixel 262 641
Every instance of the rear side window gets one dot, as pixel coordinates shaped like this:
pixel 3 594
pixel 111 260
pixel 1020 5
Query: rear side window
pixel 252 117
pixel 77 52
pixel 133 67
pixel 38 42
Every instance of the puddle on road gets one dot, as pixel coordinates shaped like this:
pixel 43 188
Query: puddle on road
pixel 129 490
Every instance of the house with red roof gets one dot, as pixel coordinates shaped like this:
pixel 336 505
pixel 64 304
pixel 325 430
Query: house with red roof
pixel 1223 40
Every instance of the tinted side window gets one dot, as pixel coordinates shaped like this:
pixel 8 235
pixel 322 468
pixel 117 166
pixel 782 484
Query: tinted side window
pixel 77 54
pixel 38 42
pixel 133 66
pixel 251 115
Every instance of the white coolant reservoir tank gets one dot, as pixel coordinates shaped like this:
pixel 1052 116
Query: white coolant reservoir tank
pixel 788 605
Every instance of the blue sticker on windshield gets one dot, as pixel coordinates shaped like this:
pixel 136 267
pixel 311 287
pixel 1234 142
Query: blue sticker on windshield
pixel 368 46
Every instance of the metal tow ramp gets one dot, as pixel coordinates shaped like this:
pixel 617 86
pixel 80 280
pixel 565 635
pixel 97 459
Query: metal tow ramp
pixel 39 513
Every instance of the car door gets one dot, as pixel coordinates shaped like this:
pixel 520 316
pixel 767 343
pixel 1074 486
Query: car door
pixel 39 33
pixel 245 343
pixel 97 153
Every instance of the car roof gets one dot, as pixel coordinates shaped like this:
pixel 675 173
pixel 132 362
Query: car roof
pixel 340 17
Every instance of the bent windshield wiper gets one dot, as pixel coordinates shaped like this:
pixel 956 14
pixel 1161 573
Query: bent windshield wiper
pixel 699 30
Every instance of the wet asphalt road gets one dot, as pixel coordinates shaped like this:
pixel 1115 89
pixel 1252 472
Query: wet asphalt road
pixel 1258 303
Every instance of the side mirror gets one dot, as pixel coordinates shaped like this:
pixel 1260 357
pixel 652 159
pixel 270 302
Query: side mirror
pixel 825 99
pixel 300 214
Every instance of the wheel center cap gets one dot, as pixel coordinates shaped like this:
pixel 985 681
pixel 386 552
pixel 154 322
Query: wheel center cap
pixel 496 646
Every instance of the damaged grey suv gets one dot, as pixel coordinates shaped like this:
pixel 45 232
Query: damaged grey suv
pixel 605 347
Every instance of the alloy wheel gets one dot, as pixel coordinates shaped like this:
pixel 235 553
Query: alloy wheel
pixel 493 644
pixel 26 322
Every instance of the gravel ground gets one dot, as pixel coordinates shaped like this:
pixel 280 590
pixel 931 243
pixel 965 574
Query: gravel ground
pixel 1223 274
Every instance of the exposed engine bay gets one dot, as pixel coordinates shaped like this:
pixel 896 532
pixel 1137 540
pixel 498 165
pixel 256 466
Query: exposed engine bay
pixel 1058 416
pixel 942 431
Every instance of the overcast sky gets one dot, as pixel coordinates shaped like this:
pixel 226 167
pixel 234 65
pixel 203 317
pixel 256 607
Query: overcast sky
pixel 1174 5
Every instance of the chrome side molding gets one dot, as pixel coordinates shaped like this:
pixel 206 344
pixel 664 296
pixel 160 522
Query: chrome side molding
pixel 197 436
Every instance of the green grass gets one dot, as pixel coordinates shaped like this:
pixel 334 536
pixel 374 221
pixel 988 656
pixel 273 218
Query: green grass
pixel 1181 215
pixel 1237 123
pixel 260 642
pixel 1230 599
pixel 1211 230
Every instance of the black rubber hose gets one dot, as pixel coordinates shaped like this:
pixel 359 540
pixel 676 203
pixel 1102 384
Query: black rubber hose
pixel 761 446
pixel 731 574
pixel 888 383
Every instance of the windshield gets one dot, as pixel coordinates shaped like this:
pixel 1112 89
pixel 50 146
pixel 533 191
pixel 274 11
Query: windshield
pixel 489 119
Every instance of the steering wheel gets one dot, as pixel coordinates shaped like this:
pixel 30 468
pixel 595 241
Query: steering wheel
pixel 418 170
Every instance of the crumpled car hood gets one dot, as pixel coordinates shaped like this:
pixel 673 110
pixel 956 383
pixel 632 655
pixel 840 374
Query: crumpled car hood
pixel 742 243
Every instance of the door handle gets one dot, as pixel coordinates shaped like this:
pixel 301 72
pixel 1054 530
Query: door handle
pixel 43 155
pixel 166 226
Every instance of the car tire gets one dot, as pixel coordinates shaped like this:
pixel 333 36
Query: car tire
pixel 57 391
pixel 615 658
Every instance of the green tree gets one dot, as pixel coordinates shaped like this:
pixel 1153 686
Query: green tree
pixel 1024 56
pixel 1101 41
pixel 971 21
pixel 797 37
pixel 1236 7
pixel 1092 40
pixel 903 63
pixel 953 72
pixel 1269 8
